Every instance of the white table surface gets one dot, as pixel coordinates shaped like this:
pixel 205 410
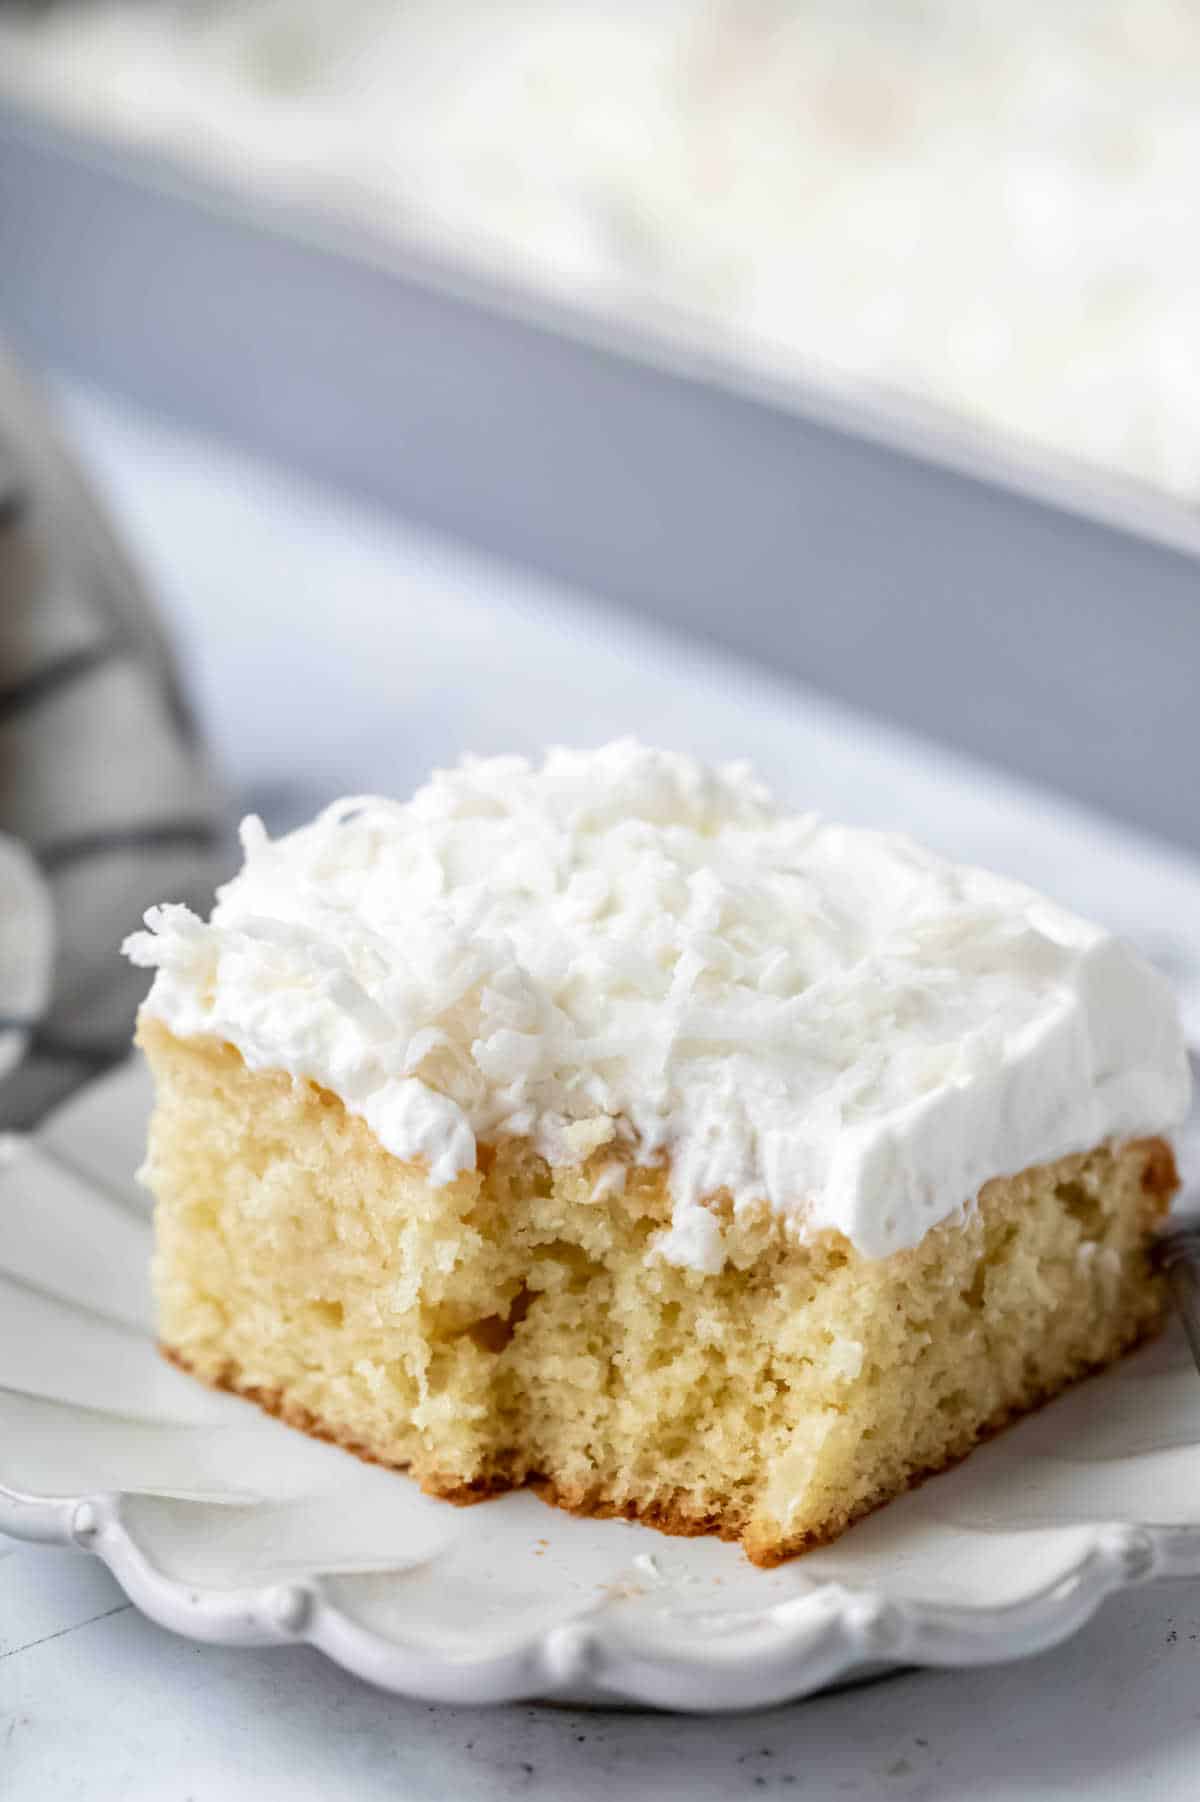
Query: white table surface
pixel 331 651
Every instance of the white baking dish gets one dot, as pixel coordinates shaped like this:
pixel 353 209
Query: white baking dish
pixel 1026 611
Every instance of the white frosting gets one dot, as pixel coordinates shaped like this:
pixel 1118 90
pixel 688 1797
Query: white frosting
pixel 624 947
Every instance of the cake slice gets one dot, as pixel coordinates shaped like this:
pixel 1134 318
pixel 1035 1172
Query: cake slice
pixel 598 1126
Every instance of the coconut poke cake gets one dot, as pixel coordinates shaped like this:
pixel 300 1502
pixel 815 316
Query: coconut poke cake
pixel 594 1124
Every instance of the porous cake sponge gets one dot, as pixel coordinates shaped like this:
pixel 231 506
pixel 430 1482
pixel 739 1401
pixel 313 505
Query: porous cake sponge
pixel 515 1325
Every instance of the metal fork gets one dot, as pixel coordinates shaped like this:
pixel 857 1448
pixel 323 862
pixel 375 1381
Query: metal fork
pixel 1176 1252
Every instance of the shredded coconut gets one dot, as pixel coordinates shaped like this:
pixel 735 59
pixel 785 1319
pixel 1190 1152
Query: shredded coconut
pixel 623 948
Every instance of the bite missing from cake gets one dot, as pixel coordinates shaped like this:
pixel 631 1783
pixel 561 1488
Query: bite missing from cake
pixel 596 1125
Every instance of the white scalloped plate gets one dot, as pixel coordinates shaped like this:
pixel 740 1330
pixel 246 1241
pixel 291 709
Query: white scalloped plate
pixel 226 1526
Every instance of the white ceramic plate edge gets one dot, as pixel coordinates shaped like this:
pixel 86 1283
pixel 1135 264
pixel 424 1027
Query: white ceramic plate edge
pixel 794 1648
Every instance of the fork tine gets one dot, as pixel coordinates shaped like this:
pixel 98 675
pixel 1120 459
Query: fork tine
pixel 1176 1251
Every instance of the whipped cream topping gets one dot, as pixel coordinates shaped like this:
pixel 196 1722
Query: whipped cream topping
pixel 625 948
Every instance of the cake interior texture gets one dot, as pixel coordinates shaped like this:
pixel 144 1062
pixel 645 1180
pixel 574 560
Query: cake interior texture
pixel 514 1327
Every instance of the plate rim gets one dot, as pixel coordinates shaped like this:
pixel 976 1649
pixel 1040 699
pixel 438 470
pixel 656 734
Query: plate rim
pixel 790 1649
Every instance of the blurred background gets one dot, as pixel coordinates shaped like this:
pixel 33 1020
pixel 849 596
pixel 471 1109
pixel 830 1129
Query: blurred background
pixel 812 382
pixel 993 208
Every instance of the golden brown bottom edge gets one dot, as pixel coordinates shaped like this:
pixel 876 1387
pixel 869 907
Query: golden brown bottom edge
pixel 669 1517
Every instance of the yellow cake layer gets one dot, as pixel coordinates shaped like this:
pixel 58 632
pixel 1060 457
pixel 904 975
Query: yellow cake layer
pixel 512 1328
